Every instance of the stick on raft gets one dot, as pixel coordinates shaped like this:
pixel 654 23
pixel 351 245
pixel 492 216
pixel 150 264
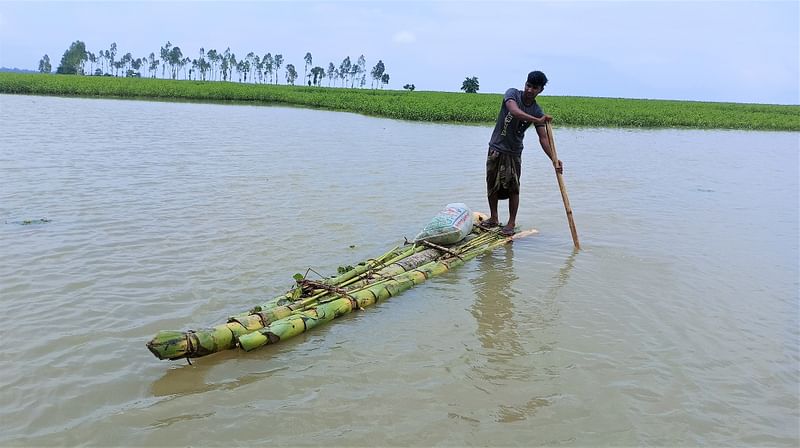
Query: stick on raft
pixel 313 303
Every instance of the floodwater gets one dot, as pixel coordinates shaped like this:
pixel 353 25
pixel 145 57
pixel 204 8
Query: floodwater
pixel 675 325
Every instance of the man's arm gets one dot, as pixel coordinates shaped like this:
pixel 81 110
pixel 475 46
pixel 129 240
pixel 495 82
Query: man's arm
pixel 517 113
pixel 545 142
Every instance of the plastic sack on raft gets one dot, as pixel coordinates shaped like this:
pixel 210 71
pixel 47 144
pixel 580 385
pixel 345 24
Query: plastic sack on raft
pixel 449 226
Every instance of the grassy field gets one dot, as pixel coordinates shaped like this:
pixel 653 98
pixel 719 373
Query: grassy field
pixel 421 106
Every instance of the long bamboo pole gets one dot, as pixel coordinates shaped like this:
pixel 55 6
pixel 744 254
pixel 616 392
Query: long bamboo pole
pixel 562 187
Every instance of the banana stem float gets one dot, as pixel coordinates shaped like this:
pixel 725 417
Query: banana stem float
pixel 285 316
pixel 303 321
pixel 171 344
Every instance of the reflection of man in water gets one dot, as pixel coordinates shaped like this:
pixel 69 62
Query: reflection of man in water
pixel 517 328
pixel 494 309
pixel 504 161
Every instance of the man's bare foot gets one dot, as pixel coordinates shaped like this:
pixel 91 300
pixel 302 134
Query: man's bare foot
pixel 489 223
pixel 508 230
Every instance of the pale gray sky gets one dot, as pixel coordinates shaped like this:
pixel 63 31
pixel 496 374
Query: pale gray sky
pixel 708 51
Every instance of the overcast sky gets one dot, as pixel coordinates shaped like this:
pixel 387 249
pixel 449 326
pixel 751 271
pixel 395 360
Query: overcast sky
pixel 707 51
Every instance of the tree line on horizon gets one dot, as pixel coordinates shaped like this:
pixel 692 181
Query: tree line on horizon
pixel 212 65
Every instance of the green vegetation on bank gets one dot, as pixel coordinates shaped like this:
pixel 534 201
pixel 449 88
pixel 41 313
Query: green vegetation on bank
pixel 421 106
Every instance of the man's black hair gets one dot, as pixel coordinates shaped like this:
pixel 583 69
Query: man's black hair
pixel 537 78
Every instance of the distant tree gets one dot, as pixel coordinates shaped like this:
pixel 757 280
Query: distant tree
pixel 278 62
pixel 202 64
pixel 331 72
pixel 225 63
pixel 136 64
pixel 384 79
pixel 291 74
pixel 266 62
pixel 175 56
pixel 213 58
pixel 101 56
pixel 269 64
pixel 470 85
pixel 318 73
pixel 377 72
pixel 199 65
pixel 152 65
pixel 344 69
pixel 245 68
pixel 354 71
pixel 234 65
pixel 362 66
pixel 111 54
pixel 126 62
pixel 107 61
pixel 72 61
pixel 183 64
pixel 409 87
pixel 44 64
pixel 117 67
pixel 240 69
pixel 92 61
pixel 165 57
pixel 258 68
pixel 222 60
pixel 308 60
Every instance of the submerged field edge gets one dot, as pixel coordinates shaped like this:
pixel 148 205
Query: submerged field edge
pixel 445 107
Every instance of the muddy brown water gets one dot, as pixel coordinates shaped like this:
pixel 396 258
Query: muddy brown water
pixel 676 325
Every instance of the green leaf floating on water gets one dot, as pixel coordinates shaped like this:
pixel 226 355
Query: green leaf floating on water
pixel 27 222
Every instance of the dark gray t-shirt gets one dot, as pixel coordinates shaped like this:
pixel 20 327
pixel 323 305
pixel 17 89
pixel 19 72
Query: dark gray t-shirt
pixel 509 131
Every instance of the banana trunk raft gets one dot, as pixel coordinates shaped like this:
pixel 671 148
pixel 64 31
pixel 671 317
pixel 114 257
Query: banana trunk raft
pixel 311 303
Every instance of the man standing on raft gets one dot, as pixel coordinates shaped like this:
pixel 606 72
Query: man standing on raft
pixel 504 161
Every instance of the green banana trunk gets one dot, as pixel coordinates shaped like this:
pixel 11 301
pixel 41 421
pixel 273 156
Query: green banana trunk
pixel 367 284
pixel 299 322
pixel 171 344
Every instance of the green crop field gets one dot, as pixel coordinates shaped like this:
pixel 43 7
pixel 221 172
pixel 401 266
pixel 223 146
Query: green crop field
pixel 477 108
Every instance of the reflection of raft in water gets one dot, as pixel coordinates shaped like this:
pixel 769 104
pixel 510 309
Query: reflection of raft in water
pixel 311 303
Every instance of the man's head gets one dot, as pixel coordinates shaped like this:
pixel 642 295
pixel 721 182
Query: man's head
pixel 535 84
